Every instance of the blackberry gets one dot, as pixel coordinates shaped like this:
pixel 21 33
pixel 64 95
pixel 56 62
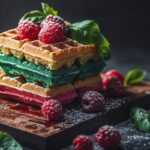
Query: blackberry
pixel 93 101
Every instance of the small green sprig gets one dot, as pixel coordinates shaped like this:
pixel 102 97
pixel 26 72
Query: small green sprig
pixel 37 16
pixel 134 76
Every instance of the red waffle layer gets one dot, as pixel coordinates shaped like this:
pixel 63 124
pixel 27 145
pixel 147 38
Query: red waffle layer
pixel 32 99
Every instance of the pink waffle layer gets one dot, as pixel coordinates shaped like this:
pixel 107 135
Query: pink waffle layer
pixel 32 99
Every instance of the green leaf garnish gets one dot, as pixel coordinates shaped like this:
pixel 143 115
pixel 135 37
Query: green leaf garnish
pixel 88 32
pixel 134 76
pixel 37 16
pixel 49 10
pixel 7 142
pixel 105 47
pixel 141 119
pixel 34 16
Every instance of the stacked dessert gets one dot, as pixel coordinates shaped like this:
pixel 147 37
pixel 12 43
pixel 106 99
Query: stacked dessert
pixel 41 61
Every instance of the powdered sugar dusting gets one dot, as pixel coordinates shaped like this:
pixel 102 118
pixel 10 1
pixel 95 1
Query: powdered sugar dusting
pixel 132 139
pixel 76 114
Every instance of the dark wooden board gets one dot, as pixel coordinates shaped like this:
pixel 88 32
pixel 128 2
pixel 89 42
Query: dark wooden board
pixel 28 126
pixel 132 139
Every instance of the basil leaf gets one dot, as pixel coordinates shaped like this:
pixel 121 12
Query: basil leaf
pixel 88 32
pixel 7 142
pixel 141 119
pixel 34 16
pixel 134 76
pixel 49 9
pixel 105 48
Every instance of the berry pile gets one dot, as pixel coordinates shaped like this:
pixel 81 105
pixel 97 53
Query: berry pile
pixel 51 30
pixel 107 137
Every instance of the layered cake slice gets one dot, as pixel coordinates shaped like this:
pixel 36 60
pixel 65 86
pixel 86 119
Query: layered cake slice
pixel 46 60
pixel 31 93
pixel 53 56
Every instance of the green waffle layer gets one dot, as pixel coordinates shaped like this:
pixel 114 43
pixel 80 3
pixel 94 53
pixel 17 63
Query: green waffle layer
pixel 39 73
pixel 90 68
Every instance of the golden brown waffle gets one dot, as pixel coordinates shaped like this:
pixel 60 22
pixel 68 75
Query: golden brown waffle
pixel 53 56
pixel 87 82
pixel 2 73
pixel 20 84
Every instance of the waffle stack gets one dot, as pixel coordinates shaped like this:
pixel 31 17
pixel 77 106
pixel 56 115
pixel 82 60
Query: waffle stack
pixel 33 72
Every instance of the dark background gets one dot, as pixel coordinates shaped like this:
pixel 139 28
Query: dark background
pixel 126 23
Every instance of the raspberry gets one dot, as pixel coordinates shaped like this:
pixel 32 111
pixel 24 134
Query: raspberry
pixel 82 142
pixel 108 137
pixel 52 18
pixel 52 110
pixel 113 86
pixel 52 32
pixel 28 30
pixel 93 101
pixel 117 74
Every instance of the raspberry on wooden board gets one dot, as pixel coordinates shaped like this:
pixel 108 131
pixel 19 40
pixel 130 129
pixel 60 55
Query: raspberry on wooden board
pixel 82 142
pixel 108 137
pixel 113 86
pixel 52 110
pixel 93 101
pixel 116 73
